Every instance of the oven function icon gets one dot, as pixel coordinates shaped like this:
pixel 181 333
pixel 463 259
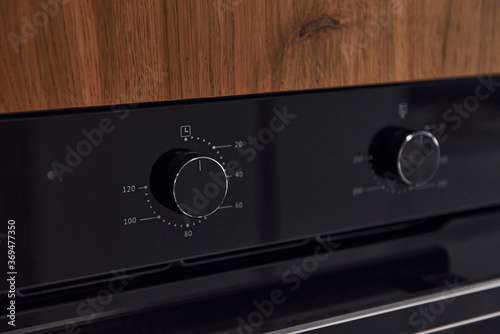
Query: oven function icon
pixel 185 131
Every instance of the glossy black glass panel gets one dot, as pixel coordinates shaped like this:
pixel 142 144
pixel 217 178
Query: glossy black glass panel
pixel 77 183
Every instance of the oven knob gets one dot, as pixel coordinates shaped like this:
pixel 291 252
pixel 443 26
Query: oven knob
pixel 412 157
pixel 189 183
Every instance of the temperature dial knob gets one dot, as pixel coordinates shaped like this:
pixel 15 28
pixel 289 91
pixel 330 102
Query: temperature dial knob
pixel 189 183
pixel 412 157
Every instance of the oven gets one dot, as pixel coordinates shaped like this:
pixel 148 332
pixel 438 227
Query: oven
pixel 351 210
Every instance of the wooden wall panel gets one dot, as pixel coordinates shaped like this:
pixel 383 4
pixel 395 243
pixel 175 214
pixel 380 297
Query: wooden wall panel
pixel 95 52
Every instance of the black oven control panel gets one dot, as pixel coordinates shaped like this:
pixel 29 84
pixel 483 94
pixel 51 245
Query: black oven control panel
pixel 132 186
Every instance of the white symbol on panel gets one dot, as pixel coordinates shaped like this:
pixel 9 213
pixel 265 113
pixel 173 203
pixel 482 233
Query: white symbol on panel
pixel 185 131
pixel 403 110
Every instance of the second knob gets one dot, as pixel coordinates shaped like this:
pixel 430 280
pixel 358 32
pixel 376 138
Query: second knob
pixel 412 157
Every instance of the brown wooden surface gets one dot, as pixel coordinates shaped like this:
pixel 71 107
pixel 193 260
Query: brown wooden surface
pixel 100 52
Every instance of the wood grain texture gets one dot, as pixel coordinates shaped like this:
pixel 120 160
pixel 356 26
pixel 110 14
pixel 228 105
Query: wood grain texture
pixel 98 52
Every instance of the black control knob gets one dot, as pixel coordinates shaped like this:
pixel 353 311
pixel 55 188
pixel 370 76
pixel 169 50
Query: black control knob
pixel 412 157
pixel 189 183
